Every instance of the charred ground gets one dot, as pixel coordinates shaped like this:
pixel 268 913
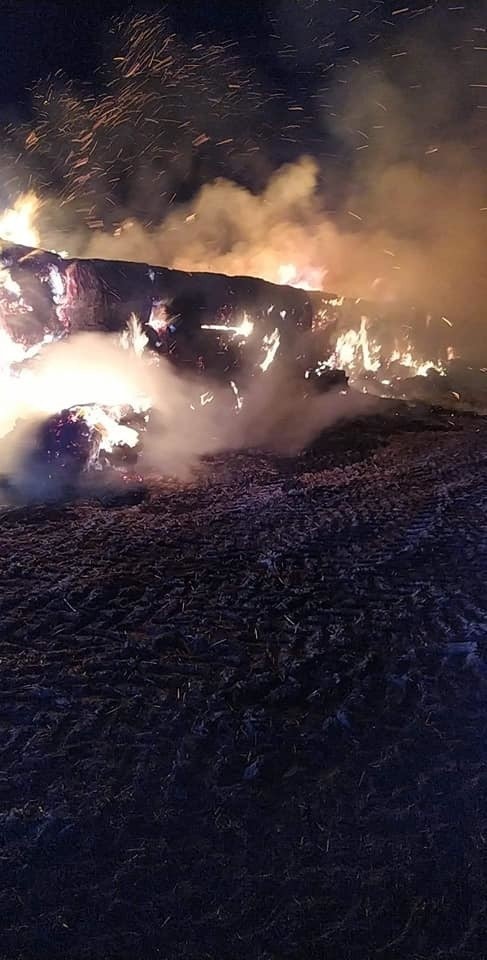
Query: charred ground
pixel 246 717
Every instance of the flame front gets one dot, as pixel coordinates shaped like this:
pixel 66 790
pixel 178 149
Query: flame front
pixel 358 353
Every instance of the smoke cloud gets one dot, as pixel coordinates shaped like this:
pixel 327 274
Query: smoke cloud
pixel 420 238
pixel 411 222
pixel 182 429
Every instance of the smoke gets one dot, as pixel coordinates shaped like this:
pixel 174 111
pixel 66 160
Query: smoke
pixel 412 221
pixel 420 238
pixel 185 424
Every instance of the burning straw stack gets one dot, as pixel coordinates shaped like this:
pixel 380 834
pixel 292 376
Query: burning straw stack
pixel 223 328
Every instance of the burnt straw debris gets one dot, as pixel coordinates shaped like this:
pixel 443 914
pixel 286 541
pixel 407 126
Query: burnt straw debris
pixel 245 716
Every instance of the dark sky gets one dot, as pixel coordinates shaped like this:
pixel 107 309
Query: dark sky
pixel 300 57
pixel 42 36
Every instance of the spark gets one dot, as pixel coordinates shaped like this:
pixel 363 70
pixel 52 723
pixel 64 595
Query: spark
pixel 243 329
pixel 235 391
pixel 271 345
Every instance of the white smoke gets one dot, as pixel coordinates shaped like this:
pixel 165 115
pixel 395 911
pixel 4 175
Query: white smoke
pixel 190 419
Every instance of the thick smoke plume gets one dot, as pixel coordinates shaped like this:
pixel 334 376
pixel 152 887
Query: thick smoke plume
pixel 421 237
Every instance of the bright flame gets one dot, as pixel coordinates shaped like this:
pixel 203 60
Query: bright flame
pixel 418 368
pixel 289 274
pixel 101 394
pixel 243 329
pixel 357 353
pixel 57 284
pixel 370 349
pixel 134 338
pixel 158 319
pixel 17 225
pixel 113 434
pixel 238 398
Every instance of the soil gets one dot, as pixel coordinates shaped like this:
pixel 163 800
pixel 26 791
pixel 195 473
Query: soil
pixel 247 717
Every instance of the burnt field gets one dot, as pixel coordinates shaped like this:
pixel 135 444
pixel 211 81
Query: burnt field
pixel 246 718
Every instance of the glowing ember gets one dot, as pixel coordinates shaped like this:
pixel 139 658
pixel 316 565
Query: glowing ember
pixel 243 329
pixel 238 398
pixel 358 353
pixel 270 344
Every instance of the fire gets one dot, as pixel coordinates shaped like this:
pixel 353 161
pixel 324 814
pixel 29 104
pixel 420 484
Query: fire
pixel 99 392
pixel 243 329
pixel 18 224
pixel 271 345
pixel 418 368
pixel 134 338
pixel 106 422
pixel 358 353
pixel 308 278
pixel 355 352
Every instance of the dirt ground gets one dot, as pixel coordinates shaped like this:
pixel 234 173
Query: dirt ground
pixel 247 718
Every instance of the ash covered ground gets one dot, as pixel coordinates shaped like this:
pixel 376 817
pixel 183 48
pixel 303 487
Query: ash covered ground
pixel 246 717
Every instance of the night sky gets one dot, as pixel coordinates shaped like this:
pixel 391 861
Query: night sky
pixel 42 36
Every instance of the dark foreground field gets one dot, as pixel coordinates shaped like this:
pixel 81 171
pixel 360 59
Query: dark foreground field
pixel 248 718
